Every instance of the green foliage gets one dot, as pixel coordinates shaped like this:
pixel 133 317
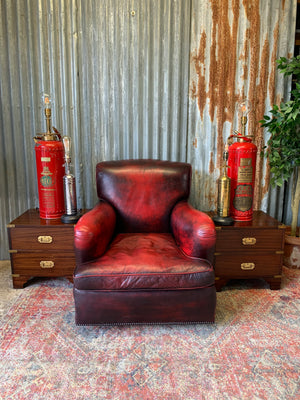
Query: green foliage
pixel 289 67
pixel 283 147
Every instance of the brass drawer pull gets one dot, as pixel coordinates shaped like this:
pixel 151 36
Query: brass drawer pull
pixel 45 239
pixel 249 241
pixel 247 266
pixel 47 264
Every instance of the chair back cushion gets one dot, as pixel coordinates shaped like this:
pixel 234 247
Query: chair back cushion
pixel 143 192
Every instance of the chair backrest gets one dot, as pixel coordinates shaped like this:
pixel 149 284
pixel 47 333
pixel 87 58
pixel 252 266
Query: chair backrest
pixel 143 192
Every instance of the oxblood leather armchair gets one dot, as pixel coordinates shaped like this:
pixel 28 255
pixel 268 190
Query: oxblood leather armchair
pixel 143 254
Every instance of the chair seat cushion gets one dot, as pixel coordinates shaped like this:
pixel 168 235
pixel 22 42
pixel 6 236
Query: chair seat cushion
pixel 144 261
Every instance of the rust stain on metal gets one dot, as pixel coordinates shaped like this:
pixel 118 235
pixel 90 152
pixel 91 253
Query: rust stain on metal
pixel 273 100
pixel 254 126
pixel 223 61
pixel 198 90
pixel 211 163
pixel 195 143
pixel 257 92
pixel 210 195
pixel 220 91
pixel 222 68
pixel 273 62
pixel 203 186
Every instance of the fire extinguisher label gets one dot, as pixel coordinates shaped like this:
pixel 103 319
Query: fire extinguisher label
pixel 244 174
pixel 243 198
pixel 49 198
pixel 46 178
pixel 245 170
pixel 46 181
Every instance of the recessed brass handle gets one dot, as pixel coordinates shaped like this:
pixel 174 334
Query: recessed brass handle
pixel 247 266
pixel 249 241
pixel 45 239
pixel 47 264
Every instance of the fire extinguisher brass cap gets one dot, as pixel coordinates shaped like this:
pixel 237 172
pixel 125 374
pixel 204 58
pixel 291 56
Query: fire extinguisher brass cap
pixel 45 136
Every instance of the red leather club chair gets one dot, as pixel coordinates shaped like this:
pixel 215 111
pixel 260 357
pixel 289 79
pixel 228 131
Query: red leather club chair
pixel 143 254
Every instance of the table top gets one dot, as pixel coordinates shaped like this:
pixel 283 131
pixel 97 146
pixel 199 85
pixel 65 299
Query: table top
pixel 260 220
pixel 31 217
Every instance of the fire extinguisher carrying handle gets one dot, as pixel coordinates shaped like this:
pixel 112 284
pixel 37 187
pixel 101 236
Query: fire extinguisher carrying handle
pixel 238 135
pixel 57 133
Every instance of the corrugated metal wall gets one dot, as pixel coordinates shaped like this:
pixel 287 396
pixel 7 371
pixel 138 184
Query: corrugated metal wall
pixel 136 79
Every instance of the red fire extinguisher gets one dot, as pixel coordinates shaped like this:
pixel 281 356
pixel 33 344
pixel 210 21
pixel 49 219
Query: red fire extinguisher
pixel 241 170
pixel 49 153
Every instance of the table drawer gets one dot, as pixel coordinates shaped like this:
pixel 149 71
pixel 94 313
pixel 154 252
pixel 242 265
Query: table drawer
pixel 43 264
pixel 42 239
pixel 249 239
pixel 247 265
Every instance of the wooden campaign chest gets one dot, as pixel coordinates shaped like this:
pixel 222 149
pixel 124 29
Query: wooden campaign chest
pixel 251 249
pixel 40 248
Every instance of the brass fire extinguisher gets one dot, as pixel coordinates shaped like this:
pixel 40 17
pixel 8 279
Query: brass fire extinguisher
pixel 49 153
pixel 223 211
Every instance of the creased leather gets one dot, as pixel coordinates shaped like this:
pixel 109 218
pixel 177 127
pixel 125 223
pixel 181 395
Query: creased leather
pixel 194 231
pixel 143 192
pixel 93 232
pixel 144 261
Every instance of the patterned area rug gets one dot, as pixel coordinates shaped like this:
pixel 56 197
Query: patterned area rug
pixel 251 352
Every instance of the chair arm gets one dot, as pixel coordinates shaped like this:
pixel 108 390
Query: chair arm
pixel 194 231
pixel 93 232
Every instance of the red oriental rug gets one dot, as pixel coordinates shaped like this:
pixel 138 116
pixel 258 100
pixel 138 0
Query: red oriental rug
pixel 251 352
